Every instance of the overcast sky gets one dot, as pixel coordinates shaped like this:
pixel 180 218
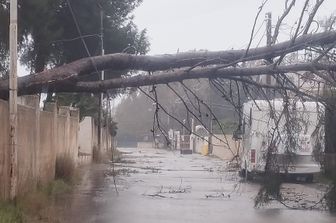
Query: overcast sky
pixel 211 24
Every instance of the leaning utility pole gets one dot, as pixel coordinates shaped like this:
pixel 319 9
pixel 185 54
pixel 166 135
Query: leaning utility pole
pixel 13 98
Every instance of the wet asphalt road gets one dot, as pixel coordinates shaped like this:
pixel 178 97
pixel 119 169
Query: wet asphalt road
pixel 154 186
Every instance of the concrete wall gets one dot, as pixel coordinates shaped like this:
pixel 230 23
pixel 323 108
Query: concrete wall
pixel 221 149
pixel 73 137
pixel 28 142
pixel 4 150
pixel 42 136
pixel 88 140
pixel 86 136
pixel 47 148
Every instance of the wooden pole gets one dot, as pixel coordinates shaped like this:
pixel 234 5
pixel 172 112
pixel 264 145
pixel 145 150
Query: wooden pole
pixel 13 98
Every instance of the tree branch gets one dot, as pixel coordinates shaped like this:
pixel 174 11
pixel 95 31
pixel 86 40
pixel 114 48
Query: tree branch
pixel 179 75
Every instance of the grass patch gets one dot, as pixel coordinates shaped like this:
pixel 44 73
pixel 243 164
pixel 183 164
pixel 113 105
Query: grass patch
pixel 41 205
pixel 45 204
pixel 10 213
pixel 58 187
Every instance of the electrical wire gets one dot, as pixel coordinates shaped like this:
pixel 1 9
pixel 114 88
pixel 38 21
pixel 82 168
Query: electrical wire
pixel 76 38
pixel 81 35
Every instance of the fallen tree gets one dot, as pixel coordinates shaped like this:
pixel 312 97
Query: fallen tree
pixel 180 75
pixel 230 72
pixel 67 78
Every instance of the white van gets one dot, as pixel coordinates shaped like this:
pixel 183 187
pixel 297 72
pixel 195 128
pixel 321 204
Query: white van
pixel 302 135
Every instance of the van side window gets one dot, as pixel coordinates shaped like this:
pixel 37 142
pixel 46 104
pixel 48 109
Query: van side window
pixel 250 119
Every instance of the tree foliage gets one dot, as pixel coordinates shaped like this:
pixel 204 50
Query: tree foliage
pixel 48 34
pixel 55 32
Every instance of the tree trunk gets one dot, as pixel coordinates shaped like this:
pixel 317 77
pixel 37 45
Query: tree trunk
pixel 66 78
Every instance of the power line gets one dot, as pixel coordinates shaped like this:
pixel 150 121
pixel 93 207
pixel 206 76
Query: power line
pixel 254 35
pixel 81 36
pixel 95 67
pixel 262 37
pixel 76 38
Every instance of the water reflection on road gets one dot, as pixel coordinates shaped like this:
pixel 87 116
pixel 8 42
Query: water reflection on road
pixel 154 186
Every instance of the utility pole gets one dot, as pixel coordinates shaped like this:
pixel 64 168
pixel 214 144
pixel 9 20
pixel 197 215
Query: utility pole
pixel 13 98
pixel 269 38
pixel 102 77
pixel 269 28
pixel 269 43
pixel 210 147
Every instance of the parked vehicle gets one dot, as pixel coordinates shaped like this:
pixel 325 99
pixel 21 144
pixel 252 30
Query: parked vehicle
pixel 291 132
